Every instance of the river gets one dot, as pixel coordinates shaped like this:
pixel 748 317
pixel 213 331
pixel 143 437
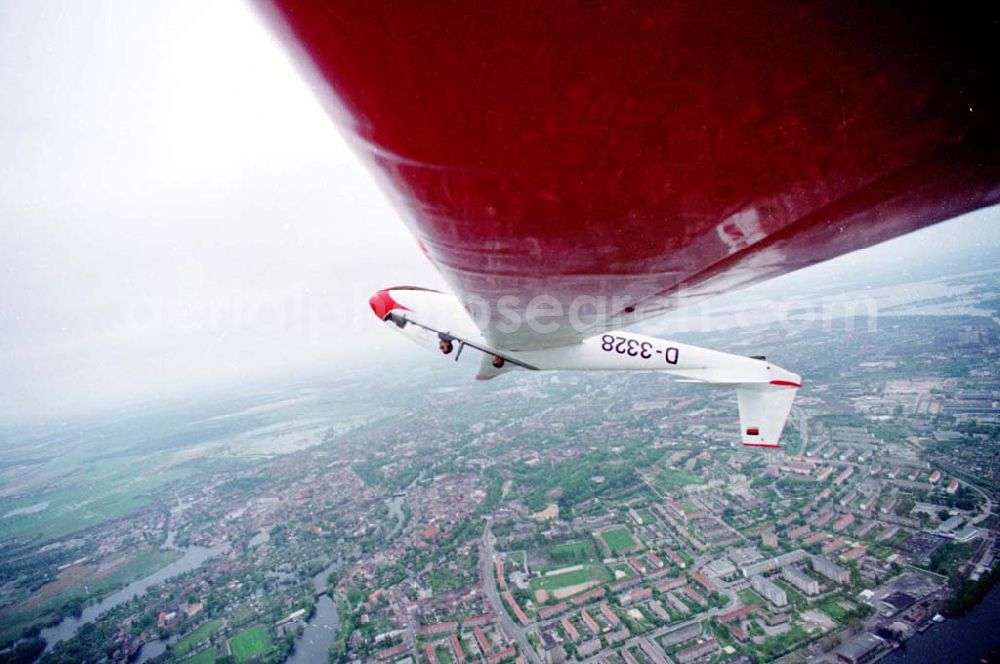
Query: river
pixel 317 635
pixel 395 506
pixel 153 648
pixel 193 556
pixel 956 640
pixel 321 631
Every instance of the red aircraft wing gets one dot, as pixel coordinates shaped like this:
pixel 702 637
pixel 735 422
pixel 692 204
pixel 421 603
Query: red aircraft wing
pixel 654 153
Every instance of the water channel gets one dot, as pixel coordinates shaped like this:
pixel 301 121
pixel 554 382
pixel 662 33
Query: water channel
pixel 192 558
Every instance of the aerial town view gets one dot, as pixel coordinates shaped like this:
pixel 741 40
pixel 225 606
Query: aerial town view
pixel 564 517
pixel 706 303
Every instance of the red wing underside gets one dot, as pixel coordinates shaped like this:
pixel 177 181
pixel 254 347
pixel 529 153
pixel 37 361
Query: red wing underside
pixel 653 153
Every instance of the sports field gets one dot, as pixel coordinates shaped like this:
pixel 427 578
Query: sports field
pixel 204 657
pixel 669 478
pixel 574 551
pixel 592 572
pixel 192 640
pixel 247 645
pixel 619 540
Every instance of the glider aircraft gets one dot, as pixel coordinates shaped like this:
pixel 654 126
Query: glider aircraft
pixel 572 168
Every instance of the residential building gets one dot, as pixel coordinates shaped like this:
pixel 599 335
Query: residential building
pixel 768 590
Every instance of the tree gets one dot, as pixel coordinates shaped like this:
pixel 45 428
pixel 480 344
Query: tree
pixel 27 650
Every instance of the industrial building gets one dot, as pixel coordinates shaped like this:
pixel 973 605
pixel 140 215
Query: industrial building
pixel 859 649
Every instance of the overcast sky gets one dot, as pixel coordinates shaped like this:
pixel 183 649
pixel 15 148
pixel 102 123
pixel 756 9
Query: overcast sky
pixel 177 210
pixel 178 213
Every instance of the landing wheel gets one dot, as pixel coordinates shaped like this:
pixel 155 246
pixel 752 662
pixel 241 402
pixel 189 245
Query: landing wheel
pixel 498 362
pixel 446 346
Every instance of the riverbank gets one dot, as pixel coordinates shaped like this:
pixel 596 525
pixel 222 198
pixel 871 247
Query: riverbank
pixel 968 638
pixel 192 558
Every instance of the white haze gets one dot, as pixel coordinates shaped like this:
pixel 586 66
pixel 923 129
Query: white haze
pixel 179 214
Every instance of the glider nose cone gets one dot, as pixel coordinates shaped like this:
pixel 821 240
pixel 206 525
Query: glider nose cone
pixel 382 303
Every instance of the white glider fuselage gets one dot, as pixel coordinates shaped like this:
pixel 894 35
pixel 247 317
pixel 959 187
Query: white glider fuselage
pixel 438 321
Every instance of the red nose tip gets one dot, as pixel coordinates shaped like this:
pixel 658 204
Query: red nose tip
pixel 382 303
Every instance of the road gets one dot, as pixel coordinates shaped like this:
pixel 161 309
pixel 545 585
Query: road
pixel 987 505
pixel 803 429
pixel 487 580
pixel 658 632
pixel 987 501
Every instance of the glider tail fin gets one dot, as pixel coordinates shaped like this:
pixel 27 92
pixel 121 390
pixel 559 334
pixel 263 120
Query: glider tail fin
pixel 764 408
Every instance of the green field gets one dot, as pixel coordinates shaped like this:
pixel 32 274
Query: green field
pixel 749 597
pixel 643 625
pixel 191 641
pixel 672 478
pixel 574 551
pixel 249 644
pixel 49 608
pixel 625 568
pixel 647 516
pixel 619 540
pixel 779 645
pixel 93 495
pixel 950 558
pixel 204 657
pixel 443 654
pixel 834 609
pixel 100 470
pixel 588 573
